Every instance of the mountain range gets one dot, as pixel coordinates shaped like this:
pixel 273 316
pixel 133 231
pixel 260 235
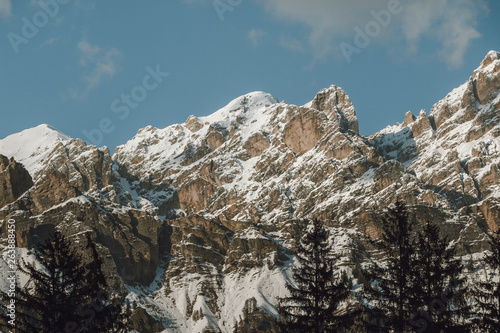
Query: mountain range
pixel 197 222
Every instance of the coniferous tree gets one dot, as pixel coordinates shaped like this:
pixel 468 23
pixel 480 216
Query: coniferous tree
pixel 438 285
pixel 100 313
pixel 46 303
pixel 487 293
pixel 391 283
pixel 62 294
pixel 315 295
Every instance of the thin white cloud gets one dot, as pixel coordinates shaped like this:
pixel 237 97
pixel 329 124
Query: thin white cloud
pixel 327 20
pixel 87 51
pixel 100 64
pixel 292 44
pixel 452 23
pixel 106 66
pixel 256 36
pixel 50 41
pixel 5 9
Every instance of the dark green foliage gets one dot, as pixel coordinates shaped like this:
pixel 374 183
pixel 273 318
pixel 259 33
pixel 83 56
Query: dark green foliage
pixel 487 293
pixel 365 320
pixel 439 290
pixel 390 284
pixel 419 287
pixel 316 293
pixel 47 302
pixel 101 313
pixel 64 294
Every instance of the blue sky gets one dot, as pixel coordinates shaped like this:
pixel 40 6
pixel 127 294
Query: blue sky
pixel 73 63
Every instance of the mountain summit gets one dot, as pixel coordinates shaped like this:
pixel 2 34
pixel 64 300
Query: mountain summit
pixel 32 146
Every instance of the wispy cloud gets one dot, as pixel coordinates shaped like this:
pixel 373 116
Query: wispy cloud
pixel 106 66
pixel 99 64
pixel 50 41
pixel 87 51
pixel 5 9
pixel 452 23
pixel 327 20
pixel 256 36
pixel 292 44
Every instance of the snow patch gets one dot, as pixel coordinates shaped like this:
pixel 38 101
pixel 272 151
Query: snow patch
pixel 33 146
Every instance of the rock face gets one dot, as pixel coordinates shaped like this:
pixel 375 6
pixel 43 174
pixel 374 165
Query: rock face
pixel 304 130
pixel 487 77
pixel 14 180
pixel 337 106
pixel 197 222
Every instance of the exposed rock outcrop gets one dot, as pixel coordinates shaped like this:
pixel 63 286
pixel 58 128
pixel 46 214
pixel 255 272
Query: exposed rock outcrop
pixel 14 180
pixel 337 106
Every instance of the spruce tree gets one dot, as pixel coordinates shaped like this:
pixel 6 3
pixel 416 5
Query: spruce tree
pixel 487 293
pixel 63 294
pixel 391 283
pixel 438 286
pixel 316 293
pixel 100 312
pixel 47 301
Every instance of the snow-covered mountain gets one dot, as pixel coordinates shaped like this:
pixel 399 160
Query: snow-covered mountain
pixel 198 221
pixel 32 147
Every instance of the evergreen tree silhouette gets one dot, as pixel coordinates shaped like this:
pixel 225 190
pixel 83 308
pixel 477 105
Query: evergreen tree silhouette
pixel 391 282
pixel 316 293
pixel 438 286
pixel 100 312
pixel 63 294
pixel 47 301
pixel 487 293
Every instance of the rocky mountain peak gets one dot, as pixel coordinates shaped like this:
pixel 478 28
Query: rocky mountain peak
pixel 486 79
pixel 491 57
pixel 31 146
pixel 243 104
pixel 337 106
pixel 409 118
pixel 477 99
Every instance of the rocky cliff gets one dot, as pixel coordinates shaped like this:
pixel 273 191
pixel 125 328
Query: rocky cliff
pixel 197 222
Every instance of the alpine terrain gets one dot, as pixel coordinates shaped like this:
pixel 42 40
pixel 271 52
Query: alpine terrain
pixel 197 223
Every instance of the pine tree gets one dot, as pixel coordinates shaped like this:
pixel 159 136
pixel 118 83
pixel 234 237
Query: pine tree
pixel 315 295
pixel 438 286
pixel 46 303
pixel 390 283
pixel 487 293
pixel 63 294
pixel 103 312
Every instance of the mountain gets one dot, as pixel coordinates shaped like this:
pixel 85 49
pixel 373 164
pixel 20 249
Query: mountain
pixel 197 222
pixel 32 146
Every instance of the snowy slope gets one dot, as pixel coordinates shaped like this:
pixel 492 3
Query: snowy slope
pixel 32 147
pixel 164 147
